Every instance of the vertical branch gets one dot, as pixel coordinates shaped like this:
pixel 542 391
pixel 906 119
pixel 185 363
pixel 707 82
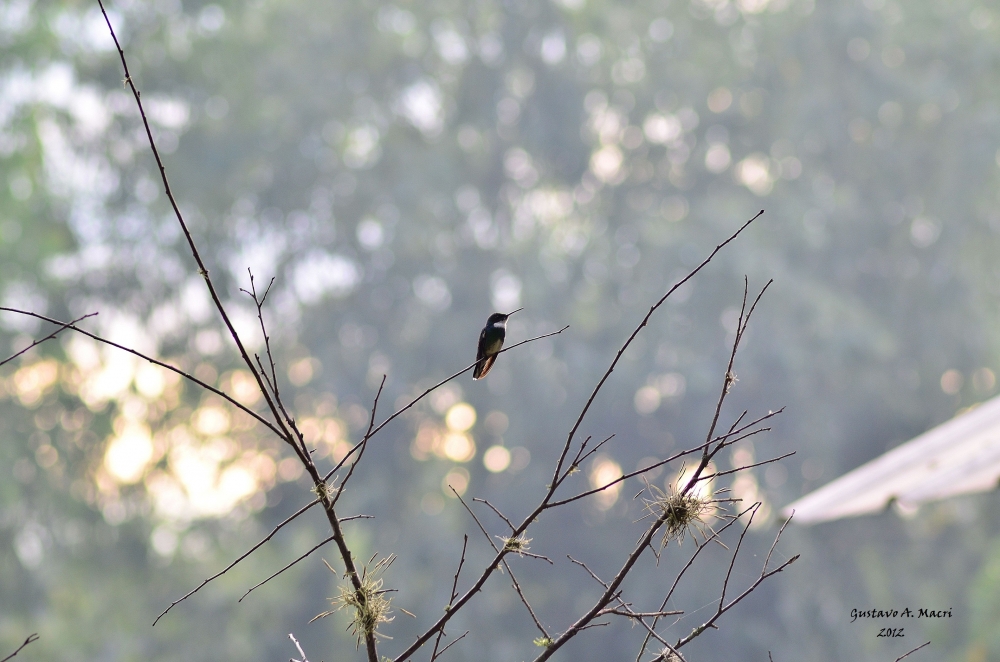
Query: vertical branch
pixel 202 269
pixel 643 323
pixel 451 598
pixel 299 648
pixel 287 430
pixel 727 384
pixel 557 479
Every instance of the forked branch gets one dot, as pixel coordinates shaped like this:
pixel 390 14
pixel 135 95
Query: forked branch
pixel 32 638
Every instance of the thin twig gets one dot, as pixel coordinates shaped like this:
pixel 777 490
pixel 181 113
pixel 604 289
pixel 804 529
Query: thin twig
pixel 299 648
pixel 260 317
pixel 208 387
pixel 913 651
pixel 256 586
pixel 710 623
pixel 557 477
pixel 454 592
pixel 62 327
pixel 272 381
pixel 609 593
pixel 581 456
pixel 32 638
pixel 748 466
pixel 668 460
pixel 640 614
pixel 497 511
pixel 650 632
pixel 727 383
pixel 517 587
pixel 736 552
pixel 673 587
pixel 229 567
pixel 626 608
pixel 460 637
pixel 628 342
pixel 587 568
pixel 420 397
pixel 202 269
pixel 364 444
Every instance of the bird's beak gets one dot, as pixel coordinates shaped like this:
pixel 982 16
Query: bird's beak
pixel 514 311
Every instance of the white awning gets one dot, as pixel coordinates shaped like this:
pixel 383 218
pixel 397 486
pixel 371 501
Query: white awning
pixel 958 457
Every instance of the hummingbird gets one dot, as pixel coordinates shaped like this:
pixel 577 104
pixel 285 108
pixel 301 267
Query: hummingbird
pixel 490 342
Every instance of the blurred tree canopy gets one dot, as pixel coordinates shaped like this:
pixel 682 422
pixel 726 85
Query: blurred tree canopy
pixel 403 170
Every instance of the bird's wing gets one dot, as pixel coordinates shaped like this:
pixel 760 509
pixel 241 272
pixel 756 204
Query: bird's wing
pixel 484 366
pixel 481 351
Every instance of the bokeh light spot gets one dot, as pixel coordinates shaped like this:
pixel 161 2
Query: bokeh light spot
pixel 460 417
pixel 496 459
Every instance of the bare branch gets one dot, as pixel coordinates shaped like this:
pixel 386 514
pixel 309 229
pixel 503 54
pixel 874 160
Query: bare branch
pixel 420 397
pixel 299 648
pixel 32 638
pixel 260 318
pixel 202 269
pixel 727 383
pixel 497 511
pixel 774 544
pixel 748 466
pixel 454 592
pixel 460 637
pixel 593 625
pixel 673 587
pixel 364 444
pixel 505 548
pixel 256 586
pixel 581 456
pixel 272 381
pixel 732 561
pixel 556 479
pixel 643 323
pixel 764 574
pixel 174 369
pixel 650 632
pixel 913 651
pixel 62 327
pixel 639 614
pixel 229 567
pixel 591 572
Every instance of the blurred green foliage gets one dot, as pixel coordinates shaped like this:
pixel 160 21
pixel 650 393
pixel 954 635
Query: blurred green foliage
pixel 405 169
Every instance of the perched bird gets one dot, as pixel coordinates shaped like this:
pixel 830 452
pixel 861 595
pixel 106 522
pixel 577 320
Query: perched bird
pixel 490 342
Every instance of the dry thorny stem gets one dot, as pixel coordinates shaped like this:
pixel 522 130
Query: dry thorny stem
pixel 280 421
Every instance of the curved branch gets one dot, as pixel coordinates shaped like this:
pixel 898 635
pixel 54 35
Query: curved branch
pixel 285 434
pixel 62 327
pixel 644 322
pixel 420 397
pixel 192 378
pixel 30 640
pixel 229 567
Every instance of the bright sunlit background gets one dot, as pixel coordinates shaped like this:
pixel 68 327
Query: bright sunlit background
pixel 404 169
